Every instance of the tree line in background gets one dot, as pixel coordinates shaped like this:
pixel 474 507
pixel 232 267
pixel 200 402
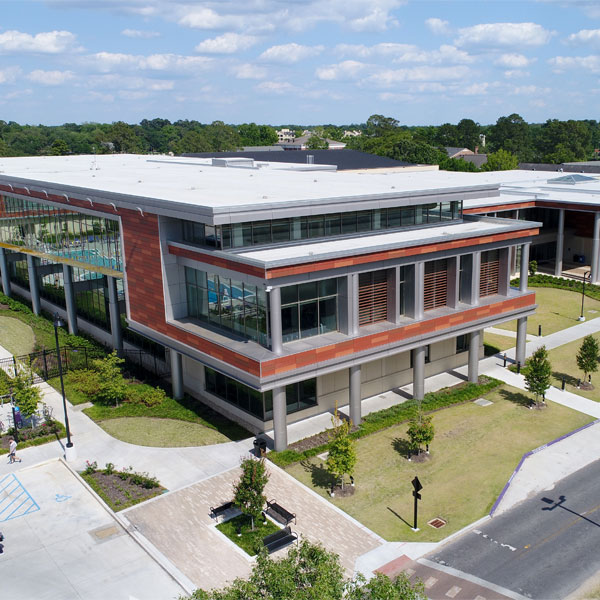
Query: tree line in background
pixel 510 140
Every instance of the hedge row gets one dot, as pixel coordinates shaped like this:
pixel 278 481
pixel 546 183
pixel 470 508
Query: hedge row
pixel 397 414
pixel 574 285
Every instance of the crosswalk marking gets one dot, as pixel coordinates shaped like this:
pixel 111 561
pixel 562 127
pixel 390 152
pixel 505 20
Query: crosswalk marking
pixel 430 582
pixel 451 593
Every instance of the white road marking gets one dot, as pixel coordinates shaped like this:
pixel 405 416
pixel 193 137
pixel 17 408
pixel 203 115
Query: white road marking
pixel 487 537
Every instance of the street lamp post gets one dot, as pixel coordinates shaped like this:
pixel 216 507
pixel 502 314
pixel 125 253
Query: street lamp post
pixel 585 275
pixel 69 453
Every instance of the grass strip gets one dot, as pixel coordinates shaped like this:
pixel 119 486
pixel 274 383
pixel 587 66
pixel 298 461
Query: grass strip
pixel 399 413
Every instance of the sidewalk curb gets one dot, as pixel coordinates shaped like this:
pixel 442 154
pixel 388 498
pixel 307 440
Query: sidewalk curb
pixel 531 453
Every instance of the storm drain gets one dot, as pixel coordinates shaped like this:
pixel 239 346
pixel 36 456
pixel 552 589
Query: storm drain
pixel 436 523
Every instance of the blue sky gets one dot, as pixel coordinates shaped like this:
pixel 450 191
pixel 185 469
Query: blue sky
pixel 298 61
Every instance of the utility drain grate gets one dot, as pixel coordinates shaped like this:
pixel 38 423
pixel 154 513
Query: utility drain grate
pixel 436 523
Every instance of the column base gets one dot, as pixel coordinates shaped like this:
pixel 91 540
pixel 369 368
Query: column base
pixel 581 318
pixel 70 454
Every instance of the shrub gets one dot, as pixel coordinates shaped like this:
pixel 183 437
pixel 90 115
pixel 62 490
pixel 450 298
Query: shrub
pixel 109 468
pixel 145 394
pixel 90 467
pixel 85 381
pixel 112 385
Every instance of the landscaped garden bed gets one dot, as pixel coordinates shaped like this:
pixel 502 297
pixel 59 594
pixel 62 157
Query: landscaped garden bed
pixel 121 489
pixel 249 541
pixel 48 431
pixel 473 453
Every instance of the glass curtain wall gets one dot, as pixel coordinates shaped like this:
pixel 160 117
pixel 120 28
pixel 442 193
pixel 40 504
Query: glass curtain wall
pixel 227 303
pixel 254 233
pixel 61 232
pixel 309 309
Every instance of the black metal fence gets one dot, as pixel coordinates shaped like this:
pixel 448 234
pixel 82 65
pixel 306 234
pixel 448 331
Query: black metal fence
pixel 43 365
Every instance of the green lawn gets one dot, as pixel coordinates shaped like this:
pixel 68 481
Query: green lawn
pixel 495 343
pixel 564 364
pixel 17 337
pixel 164 433
pixel 250 541
pixel 473 454
pixel 557 309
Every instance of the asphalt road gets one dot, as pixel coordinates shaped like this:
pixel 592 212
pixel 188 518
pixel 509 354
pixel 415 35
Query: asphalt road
pixel 545 547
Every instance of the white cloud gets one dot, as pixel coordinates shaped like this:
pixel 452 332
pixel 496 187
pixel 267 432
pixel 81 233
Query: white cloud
pixel 9 74
pixel 113 81
pixel 290 53
pixel 497 35
pixel 516 73
pixel 563 63
pixel 407 53
pixel 228 43
pixel 109 61
pixel 514 61
pixel 137 33
pixel 249 71
pixel 392 97
pixel 276 87
pixel 392 77
pixel 50 77
pixel 585 36
pixel 348 69
pixel 529 90
pixel 437 26
pixel 475 89
pixel 50 42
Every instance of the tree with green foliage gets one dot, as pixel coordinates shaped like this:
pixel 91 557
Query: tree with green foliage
pixel 310 572
pixel 378 126
pixel 420 432
pixel 587 356
pixel 316 142
pixel 468 133
pixel 112 387
pixel 26 395
pixel 248 492
pixel 512 134
pixel 341 459
pixel 537 374
pixel 500 161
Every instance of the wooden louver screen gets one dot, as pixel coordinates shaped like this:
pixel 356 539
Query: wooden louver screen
pixel 372 297
pixel 488 277
pixel 436 284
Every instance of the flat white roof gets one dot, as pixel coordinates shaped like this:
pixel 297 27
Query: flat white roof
pixel 195 182
pixel 310 252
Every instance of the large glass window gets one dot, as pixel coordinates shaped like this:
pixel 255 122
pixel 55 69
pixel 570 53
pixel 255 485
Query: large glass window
pixel 309 309
pixel 227 303
pixel 60 232
pixel 254 233
pixel 299 395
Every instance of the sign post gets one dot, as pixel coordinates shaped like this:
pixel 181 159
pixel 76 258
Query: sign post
pixel 417 488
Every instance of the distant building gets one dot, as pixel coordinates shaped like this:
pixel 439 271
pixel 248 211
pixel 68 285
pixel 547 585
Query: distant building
pixel 285 136
pixel 300 143
pixel 352 133
pixel 467 155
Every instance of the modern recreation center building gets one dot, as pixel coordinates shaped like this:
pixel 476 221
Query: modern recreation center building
pixel 280 290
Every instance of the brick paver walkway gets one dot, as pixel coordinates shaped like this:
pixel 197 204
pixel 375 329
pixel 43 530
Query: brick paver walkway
pixel 180 526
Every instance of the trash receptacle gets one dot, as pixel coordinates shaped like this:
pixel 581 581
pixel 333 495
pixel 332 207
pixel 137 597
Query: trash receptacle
pixel 260 447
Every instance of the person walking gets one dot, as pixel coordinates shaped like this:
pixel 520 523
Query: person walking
pixel 12 451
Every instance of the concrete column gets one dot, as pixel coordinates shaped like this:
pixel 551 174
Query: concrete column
pixel 475 278
pixel 453 282
pixel 353 317
pixel 5 273
pixel 34 284
pixel 418 356
pixel 70 298
pixel 419 290
pixel 279 418
pixel 176 374
pixel 524 267
pixel 355 405
pixel 474 343
pixel 393 295
pixel 560 242
pixel 521 340
pixel 115 315
pixel 595 248
pixel 275 320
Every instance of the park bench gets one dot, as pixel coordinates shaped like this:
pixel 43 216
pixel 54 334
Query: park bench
pixel 216 512
pixel 279 539
pixel 280 514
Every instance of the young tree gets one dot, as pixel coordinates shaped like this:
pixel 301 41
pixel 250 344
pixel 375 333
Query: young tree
pixel 112 387
pixel 310 572
pixel 248 492
pixel 537 373
pixel 342 453
pixel 420 432
pixel 500 161
pixel 26 395
pixel 587 357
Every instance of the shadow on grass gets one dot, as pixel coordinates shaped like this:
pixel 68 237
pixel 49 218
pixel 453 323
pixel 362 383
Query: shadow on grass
pixel 320 477
pixel 569 379
pixel 490 350
pixel 402 447
pixel 516 398
pixel 399 516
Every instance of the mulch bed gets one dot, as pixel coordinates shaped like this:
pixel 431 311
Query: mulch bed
pixel 4 306
pixel 419 458
pixel 313 441
pixel 121 493
pixel 348 490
